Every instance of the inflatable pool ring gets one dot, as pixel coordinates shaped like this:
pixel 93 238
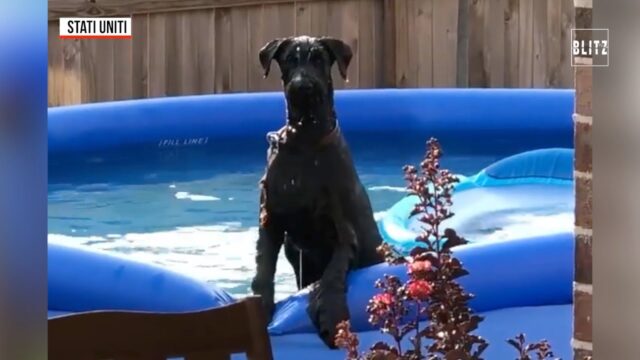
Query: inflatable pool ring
pixel 80 279
pixel 433 112
pixel 522 272
pixel 552 167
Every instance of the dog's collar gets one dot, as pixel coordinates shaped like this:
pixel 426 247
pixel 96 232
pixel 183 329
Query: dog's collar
pixel 330 137
pixel 277 138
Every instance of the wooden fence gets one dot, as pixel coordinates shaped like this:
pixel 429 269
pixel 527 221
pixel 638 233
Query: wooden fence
pixel 182 47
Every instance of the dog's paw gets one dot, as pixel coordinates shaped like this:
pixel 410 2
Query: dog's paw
pixel 267 299
pixel 269 309
pixel 326 312
pixel 329 338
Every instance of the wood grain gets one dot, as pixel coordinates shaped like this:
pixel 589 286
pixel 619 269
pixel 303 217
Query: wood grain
pixel 303 18
pixel 540 43
pixel 554 43
pixel 173 57
pixel 445 43
pixel 389 43
pixel 122 70
pixel 55 74
pixel 477 68
pixel 156 78
pixel 97 8
pixel 139 56
pixel 402 44
pixel 494 42
pixel 379 55
pixel 255 42
pixel 568 21
pixel 366 44
pixel 139 335
pixel 525 44
pixel 512 43
pixel 223 50
pixel 239 62
pixel 421 59
pixel 397 43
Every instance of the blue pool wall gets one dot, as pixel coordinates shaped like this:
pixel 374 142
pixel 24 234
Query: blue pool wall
pixel 529 113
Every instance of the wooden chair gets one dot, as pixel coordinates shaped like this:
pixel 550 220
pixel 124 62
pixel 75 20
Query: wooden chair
pixel 211 334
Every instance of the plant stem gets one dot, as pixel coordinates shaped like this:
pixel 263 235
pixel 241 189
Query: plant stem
pixel 418 339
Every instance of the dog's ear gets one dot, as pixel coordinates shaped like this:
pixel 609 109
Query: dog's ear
pixel 269 52
pixel 340 52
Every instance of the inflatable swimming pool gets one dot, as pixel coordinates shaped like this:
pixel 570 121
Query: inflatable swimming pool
pixel 538 182
pixel 515 278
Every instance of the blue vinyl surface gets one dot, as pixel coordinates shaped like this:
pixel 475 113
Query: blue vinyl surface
pixel 552 323
pixel 520 272
pixel 83 280
pixel 438 112
pixel 510 275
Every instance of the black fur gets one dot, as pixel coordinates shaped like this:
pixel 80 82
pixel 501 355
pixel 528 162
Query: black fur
pixel 312 200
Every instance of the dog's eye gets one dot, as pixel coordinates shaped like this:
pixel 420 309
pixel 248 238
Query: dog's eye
pixel 292 59
pixel 316 58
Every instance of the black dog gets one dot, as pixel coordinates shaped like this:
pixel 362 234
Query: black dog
pixel 312 200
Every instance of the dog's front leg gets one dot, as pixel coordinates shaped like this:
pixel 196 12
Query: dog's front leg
pixel 270 241
pixel 328 300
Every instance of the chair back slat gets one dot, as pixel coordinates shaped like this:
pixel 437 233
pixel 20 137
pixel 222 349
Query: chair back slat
pixel 210 334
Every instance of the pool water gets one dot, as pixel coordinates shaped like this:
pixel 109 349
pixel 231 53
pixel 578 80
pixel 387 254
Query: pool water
pixel 196 211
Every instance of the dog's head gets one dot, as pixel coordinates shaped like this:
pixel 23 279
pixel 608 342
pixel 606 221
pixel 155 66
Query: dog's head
pixel 305 63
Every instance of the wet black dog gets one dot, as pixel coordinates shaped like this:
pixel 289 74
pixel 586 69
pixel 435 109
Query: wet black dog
pixel 312 200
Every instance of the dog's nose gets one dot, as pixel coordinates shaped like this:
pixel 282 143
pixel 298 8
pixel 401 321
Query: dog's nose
pixel 301 84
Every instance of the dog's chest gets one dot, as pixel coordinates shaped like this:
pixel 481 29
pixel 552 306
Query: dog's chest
pixel 295 181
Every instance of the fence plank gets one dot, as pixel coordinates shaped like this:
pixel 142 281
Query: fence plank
pixel 156 75
pixel 173 56
pixel 525 41
pixel 378 55
pixel 55 72
pixel 494 42
pixel 96 8
pixel 568 20
pixel 239 59
pixel 185 77
pixel 462 46
pixel 366 47
pixel 512 43
pixel 255 43
pixel 102 53
pixel 389 44
pixel 139 57
pixel 477 67
pixel 445 42
pixel 554 45
pixel 402 44
pixel 223 51
pixel 540 37
pixel 71 92
pixel 421 54
pixel 319 24
pixel 303 18
pixel 122 70
pixel 272 28
pixel 342 23
pixel 396 43
pixel 205 56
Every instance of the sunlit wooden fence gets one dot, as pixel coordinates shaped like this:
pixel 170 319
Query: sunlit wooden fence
pixel 182 47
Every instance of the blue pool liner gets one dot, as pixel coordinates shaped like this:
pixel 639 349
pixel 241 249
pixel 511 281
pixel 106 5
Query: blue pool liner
pixel 552 167
pixel 502 113
pixel 552 323
pixel 81 279
pixel 515 278
pixel 519 272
